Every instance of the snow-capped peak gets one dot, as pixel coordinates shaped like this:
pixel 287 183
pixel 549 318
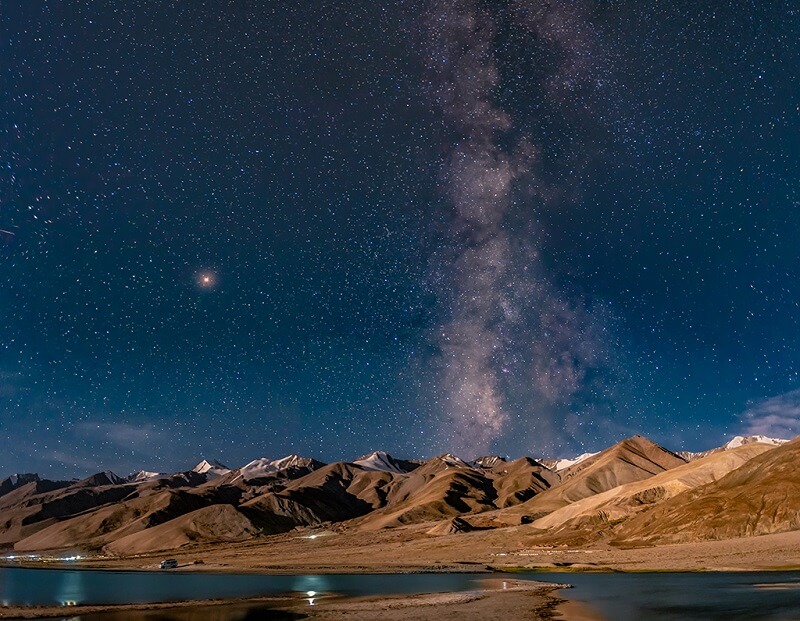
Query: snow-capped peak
pixel 489 461
pixel 293 461
pixel 454 461
pixel 144 475
pixel 212 467
pixel 381 461
pixel 563 464
pixel 741 440
pixel 264 466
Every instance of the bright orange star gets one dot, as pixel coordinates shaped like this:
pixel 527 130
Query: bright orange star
pixel 206 280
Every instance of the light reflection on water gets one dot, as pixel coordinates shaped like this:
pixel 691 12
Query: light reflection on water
pixel 59 587
pixel 70 591
pixel 750 596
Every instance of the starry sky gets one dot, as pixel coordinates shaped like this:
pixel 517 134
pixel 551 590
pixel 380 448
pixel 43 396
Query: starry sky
pixel 234 229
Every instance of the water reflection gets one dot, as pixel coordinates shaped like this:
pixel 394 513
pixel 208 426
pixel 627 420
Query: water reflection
pixel 752 596
pixel 56 587
pixel 317 583
pixel 70 590
pixel 312 587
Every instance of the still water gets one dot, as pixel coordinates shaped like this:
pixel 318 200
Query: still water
pixel 760 596
pixel 772 596
pixel 66 587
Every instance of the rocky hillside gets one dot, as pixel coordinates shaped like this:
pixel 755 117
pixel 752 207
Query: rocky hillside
pixel 633 493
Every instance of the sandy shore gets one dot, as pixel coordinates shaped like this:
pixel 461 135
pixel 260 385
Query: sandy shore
pixel 496 600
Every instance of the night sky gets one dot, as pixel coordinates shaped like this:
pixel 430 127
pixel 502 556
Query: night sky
pixel 234 229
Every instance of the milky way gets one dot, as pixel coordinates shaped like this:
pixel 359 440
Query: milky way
pixel 508 324
pixel 517 226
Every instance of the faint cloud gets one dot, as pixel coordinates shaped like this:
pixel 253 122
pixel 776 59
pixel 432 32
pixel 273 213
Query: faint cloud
pixel 125 435
pixel 10 384
pixel 776 417
pixel 73 460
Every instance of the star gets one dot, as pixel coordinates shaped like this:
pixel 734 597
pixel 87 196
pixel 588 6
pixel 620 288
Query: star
pixel 533 228
pixel 206 280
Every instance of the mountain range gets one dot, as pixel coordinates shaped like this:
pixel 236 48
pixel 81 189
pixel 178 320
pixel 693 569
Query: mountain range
pixel 635 493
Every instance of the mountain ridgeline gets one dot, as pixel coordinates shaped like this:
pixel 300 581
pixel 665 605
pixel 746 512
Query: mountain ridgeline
pixel 632 494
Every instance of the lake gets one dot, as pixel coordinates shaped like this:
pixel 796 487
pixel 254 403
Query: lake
pixel 768 596
pixel 761 596
pixel 47 587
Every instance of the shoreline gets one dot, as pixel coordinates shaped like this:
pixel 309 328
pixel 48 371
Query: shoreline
pixel 327 570
pixel 48 612
pixel 495 594
pixel 497 555
pixel 259 571
pixel 410 549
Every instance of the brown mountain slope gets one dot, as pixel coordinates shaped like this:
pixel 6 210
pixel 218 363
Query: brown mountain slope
pixel 760 497
pixel 423 498
pixel 520 480
pixel 212 524
pixel 441 463
pixel 451 527
pixel 95 528
pixel 336 492
pixel 593 513
pixel 35 516
pixel 445 487
pixel 340 491
pixel 635 492
pixel 38 504
pixel 633 459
